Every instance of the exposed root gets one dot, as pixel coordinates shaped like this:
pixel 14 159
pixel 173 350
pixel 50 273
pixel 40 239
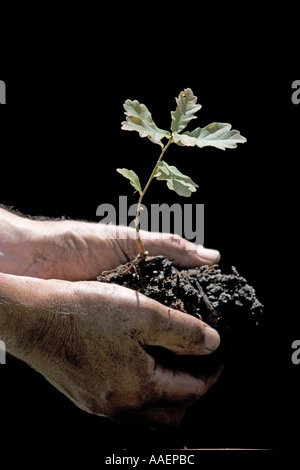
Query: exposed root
pixel 137 260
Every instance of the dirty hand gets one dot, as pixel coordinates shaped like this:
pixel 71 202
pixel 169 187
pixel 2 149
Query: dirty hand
pixel 73 250
pixel 89 340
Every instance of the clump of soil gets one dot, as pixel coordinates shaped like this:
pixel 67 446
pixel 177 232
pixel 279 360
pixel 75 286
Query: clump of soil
pixel 224 301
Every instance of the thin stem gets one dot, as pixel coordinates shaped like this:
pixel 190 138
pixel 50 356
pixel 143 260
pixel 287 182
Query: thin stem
pixel 142 194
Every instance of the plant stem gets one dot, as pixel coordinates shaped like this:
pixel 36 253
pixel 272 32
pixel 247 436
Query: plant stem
pixel 142 194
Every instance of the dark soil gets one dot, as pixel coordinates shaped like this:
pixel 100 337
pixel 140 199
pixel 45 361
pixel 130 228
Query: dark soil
pixel 224 301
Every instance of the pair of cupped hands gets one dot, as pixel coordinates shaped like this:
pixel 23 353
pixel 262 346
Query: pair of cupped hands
pixel 90 339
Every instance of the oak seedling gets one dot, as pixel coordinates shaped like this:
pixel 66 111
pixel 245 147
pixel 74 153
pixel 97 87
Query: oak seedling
pixel 139 118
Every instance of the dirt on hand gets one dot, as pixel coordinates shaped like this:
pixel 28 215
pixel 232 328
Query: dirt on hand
pixel 224 301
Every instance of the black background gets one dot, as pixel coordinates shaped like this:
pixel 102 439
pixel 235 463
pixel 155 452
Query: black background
pixel 60 145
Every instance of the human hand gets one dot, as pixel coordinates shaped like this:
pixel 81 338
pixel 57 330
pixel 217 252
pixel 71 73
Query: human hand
pixel 88 339
pixel 74 250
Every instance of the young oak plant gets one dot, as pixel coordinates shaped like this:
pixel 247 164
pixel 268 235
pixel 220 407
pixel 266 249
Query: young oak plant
pixel 139 118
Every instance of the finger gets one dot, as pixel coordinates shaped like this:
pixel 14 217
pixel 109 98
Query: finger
pixel 177 331
pixel 181 252
pixel 179 387
pixel 167 400
pixel 178 250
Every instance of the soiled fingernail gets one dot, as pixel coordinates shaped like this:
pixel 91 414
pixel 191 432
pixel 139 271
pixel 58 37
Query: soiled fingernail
pixel 211 339
pixel 209 255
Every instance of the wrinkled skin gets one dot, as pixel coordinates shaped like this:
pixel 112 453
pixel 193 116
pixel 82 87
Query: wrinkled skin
pixel 87 338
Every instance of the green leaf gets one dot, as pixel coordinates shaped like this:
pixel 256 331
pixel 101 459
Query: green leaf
pixel 184 140
pixel 139 118
pixel 217 134
pixel 186 108
pixel 178 182
pixel 133 178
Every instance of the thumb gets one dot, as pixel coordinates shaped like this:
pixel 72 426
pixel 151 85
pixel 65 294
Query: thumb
pixel 179 332
pixel 181 252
